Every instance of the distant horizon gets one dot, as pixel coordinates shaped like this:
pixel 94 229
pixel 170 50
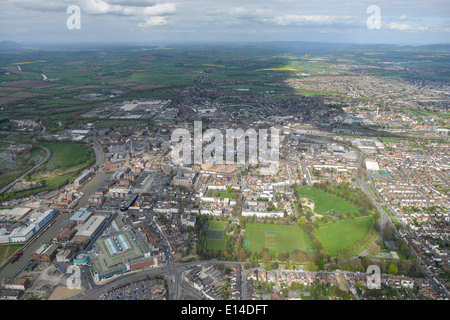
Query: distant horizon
pixel 401 22
pixel 216 42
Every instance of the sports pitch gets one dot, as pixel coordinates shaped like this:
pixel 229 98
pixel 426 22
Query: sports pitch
pixel 215 236
pixel 276 237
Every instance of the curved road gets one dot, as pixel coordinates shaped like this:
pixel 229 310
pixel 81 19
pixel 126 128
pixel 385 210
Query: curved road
pixel 6 188
pixel 173 272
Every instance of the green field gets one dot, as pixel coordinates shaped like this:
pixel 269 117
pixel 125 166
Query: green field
pixel 66 162
pixel 67 155
pixel 215 236
pixel 217 225
pixel 276 237
pixel 326 203
pixel 7 250
pixel 214 244
pixel 338 235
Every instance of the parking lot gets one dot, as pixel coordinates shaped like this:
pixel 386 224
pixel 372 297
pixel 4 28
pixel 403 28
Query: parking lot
pixel 141 290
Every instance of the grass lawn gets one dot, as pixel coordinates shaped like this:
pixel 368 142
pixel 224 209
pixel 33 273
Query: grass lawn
pixel 215 236
pixel 326 203
pixel 229 195
pixel 64 165
pixel 214 244
pixel 281 238
pixel 217 225
pixel 66 155
pixel 7 250
pixel 338 235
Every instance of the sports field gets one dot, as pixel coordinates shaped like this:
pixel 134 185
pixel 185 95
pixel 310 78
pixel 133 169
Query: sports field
pixel 326 203
pixel 215 236
pixel 338 235
pixel 276 237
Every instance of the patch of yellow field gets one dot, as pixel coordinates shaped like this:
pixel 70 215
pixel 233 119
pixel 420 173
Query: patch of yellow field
pixel 316 59
pixel 28 62
pixel 277 69
pixel 213 65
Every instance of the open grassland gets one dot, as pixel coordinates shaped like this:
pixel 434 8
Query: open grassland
pixel 66 162
pixel 276 237
pixel 326 203
pixel 338 235
pixel 67 155
pixel 7 250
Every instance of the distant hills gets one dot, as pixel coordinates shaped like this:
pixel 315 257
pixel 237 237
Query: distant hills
pixel 5 44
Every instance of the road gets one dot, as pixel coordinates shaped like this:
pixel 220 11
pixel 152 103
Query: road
pixel 51 231
pixel 98 149
pixel 173 272
pixel 6 188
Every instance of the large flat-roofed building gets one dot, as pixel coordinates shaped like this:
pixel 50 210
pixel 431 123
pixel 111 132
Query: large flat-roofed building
pixel 22 234
pixel 119 192
pixel 90 228
pixel 83 178
pixel 16 284
pixel 36 221
pixel 372 165
pixel 121 252
pixel 41 218
pixel 13 214
pixel 81 216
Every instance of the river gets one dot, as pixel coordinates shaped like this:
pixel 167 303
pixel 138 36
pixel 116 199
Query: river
pixel 10 270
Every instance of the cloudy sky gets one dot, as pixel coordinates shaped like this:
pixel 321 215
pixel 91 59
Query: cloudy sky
pixel 149 21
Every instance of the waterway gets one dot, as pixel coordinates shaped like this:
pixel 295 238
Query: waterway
pixel 51 231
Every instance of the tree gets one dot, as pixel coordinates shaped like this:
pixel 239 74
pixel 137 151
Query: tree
pixel 317 244
pixel 388 232
pixel 302 222
pixel 374 249
pixel 392 269
pixel 311 266
pixel 266 257
pixel 308 228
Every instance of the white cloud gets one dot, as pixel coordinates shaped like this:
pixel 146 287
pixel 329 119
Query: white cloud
pixel 405 27
pixel 292 19
pixel 154 21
